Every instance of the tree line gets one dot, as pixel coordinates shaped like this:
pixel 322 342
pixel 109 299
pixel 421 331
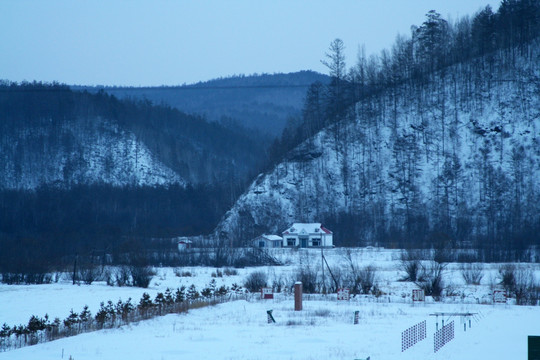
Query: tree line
pixel 43 229
pixel 112 315
pixel 431 47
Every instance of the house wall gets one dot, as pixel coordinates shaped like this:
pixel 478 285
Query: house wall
pixel 286 240
pixel 267 243
pixel 325 240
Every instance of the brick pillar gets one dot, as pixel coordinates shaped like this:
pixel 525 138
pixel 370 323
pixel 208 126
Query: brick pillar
pixel 298 296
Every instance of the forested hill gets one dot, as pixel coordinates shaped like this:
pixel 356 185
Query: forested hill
pixel 262 102
pixel 53 135
pixel 440 147
pixel 82 173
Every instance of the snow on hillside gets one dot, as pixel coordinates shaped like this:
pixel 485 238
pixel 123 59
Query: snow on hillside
pixel 81 153
pixel 451 155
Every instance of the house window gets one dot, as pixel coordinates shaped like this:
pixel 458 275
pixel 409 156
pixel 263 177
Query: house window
pixel 316 242
pixel 261 244
pixel 291 241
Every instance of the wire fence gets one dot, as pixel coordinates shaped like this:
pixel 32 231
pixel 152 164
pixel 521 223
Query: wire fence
pixel 110 315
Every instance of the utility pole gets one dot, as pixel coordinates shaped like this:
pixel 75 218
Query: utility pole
pixel 75 269
pixel 329 270
pixel 322 266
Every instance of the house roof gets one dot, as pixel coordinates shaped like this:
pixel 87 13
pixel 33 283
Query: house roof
pixel 270 237
pixel 306 228
pixel 273 237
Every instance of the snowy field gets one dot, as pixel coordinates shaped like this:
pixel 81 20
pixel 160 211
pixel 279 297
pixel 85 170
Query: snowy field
pixel 322 330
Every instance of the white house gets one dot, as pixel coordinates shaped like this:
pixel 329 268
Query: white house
pixel 268 241
pixel 307 236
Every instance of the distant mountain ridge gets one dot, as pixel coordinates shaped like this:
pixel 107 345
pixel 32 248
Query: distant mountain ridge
pixel 261 102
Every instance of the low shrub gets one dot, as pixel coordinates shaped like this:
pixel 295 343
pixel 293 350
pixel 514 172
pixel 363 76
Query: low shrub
pixel 309 279
pixel 431 280
pixel 89 274
pixel 411 265
pixel 472 273
pixel 230 271
pixel 142 275
pixel 526 290
pixel 366 279
pixel 507 274
pixel 255 281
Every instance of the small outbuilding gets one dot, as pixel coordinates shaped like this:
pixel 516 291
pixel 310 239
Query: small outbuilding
pixel 183 243
pixel 268 241
pixel 308 235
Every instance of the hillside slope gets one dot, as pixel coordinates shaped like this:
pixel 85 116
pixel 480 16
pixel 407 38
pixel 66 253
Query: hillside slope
pixel 81 153
pixel 455 157
pixel 53 135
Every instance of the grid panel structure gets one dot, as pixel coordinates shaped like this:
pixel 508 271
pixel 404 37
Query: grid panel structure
pixel 413 335
pixel 443 336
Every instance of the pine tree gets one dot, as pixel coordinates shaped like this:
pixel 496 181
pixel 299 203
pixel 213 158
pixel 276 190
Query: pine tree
pixel 145 304
pixel 180 296
pixel 192 293
pixel 169 299
pixel 337 70
pixel 127 308
pixel 212 285
pixel 85 314
pixel 222 291
pixel 432 41
pixel 159 301
pixel 5 331
pixel 35 324
pixel 101 315
pixel 206 292
pixel 111 312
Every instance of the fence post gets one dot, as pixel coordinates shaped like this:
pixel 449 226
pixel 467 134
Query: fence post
pixel 270 317
pixel 298 296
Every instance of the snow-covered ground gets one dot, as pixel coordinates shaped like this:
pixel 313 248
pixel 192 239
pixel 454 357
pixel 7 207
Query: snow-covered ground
pixel 322 330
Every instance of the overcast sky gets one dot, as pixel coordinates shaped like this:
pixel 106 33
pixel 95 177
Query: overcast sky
pixel 145 43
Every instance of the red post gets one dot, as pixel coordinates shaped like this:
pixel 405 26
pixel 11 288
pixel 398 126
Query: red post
pixel 298 296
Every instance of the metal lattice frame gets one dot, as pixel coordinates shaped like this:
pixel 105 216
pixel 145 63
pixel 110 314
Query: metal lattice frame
pixel 413 335
pixel 443 336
